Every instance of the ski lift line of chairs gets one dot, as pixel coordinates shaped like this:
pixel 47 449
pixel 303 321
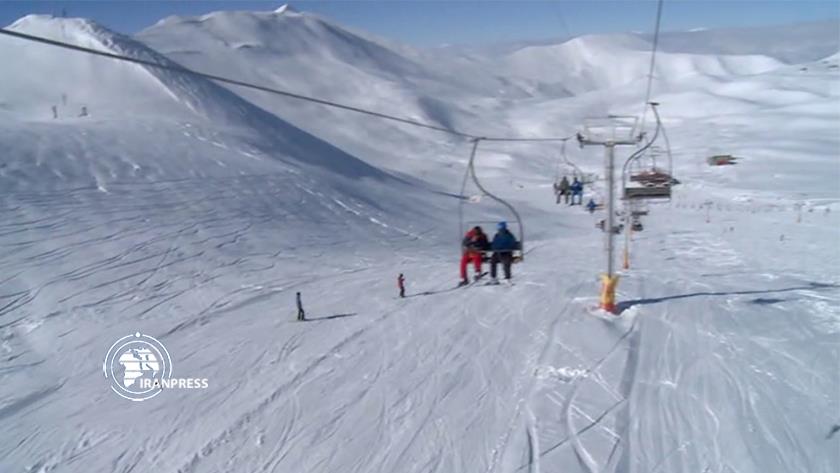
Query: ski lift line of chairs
pixel 518 254
pixel 636 209
pixel 563 161
pixel 652 183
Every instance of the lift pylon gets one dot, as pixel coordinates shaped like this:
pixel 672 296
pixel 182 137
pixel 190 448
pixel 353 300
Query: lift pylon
pixel 609 132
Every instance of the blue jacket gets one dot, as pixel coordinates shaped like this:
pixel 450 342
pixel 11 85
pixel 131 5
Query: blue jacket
pixel 504 241
pixel 577 187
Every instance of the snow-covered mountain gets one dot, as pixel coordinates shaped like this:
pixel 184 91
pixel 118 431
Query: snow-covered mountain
pixel 597 62
pixel 312 55
pixel 194 212
pixel 108 89
pixel 791 44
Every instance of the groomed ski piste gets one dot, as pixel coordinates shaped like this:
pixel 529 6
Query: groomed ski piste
pixel 193 213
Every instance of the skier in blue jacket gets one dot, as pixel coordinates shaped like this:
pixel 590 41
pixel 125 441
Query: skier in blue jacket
pixel 503 246
pixel 591 206
pixel 577 191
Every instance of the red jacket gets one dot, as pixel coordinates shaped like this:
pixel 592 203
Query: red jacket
pixel 474 241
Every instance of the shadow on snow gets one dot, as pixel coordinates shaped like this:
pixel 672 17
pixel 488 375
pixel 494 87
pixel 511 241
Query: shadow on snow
pixel 622 306
pixel 330 317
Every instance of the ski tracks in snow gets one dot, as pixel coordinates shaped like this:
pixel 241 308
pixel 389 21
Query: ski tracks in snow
pixel 543 346
pixel 254 413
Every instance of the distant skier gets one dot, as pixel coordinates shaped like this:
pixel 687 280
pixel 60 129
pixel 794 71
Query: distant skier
pixel 55 111
pixel 473 247
pixel 577 191
pixel 84 112
pixel 401 284
pixel 503 246
pixel 301 314
pixel 590 206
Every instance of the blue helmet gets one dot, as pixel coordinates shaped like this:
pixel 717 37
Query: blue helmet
pixel 501 225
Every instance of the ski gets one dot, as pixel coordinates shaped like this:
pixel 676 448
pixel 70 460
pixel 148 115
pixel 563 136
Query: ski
pixel 473 282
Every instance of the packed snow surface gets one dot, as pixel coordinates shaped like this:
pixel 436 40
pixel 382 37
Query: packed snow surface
pixel 193 212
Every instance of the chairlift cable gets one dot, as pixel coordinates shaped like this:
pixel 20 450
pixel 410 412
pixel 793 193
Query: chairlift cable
pixel 562 159
pixel 655 190
pixel 464 188
pixel 641 150
pixel 654 47
pixel 667 145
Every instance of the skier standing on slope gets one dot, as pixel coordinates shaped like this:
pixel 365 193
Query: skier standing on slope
pixel 504 244
pixel 591 205
pixel 401 284
pixel 301 314
pixel 473 247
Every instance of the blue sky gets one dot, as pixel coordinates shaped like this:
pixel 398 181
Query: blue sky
pixel 435 22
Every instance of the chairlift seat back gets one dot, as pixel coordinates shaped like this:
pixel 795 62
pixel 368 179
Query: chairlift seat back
pixel 641 193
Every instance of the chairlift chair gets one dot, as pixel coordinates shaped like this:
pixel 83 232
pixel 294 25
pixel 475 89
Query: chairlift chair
pixel 565 167
pixel 518 254
pixel 643 177
pixel 638 208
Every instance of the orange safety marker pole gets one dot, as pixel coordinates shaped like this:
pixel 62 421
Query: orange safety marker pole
pixel 608 285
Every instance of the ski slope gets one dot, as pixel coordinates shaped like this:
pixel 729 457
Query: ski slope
pixel 194 213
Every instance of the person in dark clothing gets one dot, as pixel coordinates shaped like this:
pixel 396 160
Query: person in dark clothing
pixel 564 190
pixel 590 206
pixel 577 191
pixel 473 247
pixel 503 246
pixel 301 314
pixel 401 284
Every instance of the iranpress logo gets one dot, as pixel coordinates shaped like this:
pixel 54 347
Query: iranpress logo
pixel 139 367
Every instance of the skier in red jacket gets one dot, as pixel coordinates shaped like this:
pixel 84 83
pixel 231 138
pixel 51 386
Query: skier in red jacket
pixel 473 247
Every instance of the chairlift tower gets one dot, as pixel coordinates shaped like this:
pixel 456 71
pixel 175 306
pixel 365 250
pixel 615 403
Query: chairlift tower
pixel 609 132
